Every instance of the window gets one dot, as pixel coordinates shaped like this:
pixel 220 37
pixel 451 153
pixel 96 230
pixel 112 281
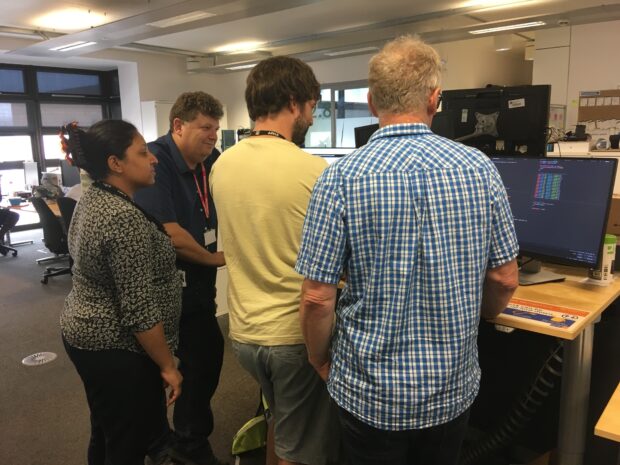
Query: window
pixel 51 147
pixel 34 102
pixel 59 114
pixel 320 133
pixel 11 81
pixel 13 114
pixel 351 111
pixel 342 108
pixel 68 83
pixel 15 148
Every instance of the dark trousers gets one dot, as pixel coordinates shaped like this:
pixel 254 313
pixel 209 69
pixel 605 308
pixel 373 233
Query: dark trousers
pixel 200 353
pixel 126 399
pixel 438 445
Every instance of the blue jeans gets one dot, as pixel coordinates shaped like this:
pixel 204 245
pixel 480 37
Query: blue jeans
pixel 366 445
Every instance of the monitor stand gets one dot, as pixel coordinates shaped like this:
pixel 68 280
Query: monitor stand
pixel 530 272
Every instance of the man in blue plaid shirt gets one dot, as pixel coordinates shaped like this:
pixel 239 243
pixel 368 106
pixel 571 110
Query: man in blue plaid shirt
pixel 421 227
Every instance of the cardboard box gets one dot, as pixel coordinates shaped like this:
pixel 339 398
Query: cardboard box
pixel 613 222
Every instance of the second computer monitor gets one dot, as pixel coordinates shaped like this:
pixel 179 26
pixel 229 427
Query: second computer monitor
pixel 560 206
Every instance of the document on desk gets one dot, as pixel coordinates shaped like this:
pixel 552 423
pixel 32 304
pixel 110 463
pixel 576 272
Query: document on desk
pixel 543 314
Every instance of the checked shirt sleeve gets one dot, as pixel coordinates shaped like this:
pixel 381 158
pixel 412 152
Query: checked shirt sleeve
pixel 323 239
pixel 504 246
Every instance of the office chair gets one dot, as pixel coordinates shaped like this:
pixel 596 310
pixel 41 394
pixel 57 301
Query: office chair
pixel 66 205
pixel 54 237
pixel 8 219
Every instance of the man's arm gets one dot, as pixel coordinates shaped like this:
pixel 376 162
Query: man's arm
pixel 189 250
pixel 316 312
pixel 499 285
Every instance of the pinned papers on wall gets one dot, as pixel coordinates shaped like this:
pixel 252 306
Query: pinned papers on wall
pixel 599 105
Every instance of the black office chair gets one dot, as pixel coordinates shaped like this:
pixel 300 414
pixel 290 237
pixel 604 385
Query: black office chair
pixel 8 219
pixel 54 237
pixel 66 205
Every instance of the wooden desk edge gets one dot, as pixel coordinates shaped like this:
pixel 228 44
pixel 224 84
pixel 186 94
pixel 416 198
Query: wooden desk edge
pixel 571 293
pixel 608 425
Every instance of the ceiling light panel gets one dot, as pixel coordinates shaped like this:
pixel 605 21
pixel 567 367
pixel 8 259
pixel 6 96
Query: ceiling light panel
pixel 72 46
pixel 69 20
pixel 510 27
pixel 182 19
pixel 240 47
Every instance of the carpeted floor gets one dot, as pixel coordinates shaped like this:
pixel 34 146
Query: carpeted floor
pixel 43 411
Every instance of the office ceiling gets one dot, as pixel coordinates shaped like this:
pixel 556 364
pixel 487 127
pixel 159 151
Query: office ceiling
pixel 310 29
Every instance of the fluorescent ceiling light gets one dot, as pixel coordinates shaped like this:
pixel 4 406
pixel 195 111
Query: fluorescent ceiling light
pixel 181 19
pixel 70 19
pixel 233 68
pixel 486 5
pixel 248 46
pixel 351 51
pixel 510 27
pixel 72 46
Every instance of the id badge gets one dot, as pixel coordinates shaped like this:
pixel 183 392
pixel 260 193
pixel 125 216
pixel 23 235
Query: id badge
pixel 209 236
pixel 182 276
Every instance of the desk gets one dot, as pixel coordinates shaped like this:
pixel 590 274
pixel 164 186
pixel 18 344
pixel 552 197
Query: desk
pixel 27 207
pixel 608 425
pixel 583 304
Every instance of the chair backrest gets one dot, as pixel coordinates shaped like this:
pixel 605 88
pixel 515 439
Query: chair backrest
pixel 54 236
pixel 66 205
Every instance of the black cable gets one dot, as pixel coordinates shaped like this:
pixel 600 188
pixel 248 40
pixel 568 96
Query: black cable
pixel 521 414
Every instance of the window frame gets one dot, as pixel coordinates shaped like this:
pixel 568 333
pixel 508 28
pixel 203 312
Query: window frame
pixel 333 88
pixel 108 100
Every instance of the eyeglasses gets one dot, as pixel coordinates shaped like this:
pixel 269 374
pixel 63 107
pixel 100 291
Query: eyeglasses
pixel 439 100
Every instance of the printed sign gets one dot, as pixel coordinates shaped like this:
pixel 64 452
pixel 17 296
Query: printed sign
pixel 543 314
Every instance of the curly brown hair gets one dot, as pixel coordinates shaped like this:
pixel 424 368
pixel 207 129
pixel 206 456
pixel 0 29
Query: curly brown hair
pixel 189 104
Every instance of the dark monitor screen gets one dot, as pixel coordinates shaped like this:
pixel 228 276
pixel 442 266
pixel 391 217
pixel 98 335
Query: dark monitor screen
pixel 70 174
pixel 559 205
pixel 497 120
pixel 363 133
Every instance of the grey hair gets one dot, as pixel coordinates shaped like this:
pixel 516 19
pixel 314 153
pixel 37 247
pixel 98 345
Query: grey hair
pixel 403 74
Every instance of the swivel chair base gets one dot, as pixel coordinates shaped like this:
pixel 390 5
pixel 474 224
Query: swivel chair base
pixel 51 271
pixel 5 249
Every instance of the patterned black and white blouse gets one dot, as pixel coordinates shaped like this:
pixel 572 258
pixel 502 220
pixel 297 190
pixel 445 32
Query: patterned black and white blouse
pixel 124 276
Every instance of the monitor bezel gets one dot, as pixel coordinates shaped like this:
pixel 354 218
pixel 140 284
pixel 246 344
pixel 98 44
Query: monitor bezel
pixel 453 99
pixel 562 260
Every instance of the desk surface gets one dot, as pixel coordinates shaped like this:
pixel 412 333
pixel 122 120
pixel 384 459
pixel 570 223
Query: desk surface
pixel 28 207
pixel 608 425
pixel 569 305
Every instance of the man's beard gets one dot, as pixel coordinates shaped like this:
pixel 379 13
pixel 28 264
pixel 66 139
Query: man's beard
pixel 300 129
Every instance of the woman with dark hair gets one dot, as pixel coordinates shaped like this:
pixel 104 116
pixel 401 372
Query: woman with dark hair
pixel 120 320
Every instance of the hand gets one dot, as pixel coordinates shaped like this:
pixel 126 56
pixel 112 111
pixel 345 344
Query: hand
pixel 323 370
pixel 173 379
pixel 217 259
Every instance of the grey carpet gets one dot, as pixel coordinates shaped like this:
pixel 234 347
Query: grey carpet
pixel 43 410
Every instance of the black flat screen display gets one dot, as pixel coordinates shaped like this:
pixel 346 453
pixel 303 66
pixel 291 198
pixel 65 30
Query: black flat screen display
pixel 560 206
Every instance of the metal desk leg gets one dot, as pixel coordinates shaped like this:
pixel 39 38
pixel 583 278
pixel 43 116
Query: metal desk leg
pixel 574 398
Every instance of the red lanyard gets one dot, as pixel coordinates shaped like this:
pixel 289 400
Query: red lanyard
pixel 204 194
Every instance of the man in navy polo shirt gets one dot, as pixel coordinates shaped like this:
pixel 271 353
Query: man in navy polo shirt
pixel 181 200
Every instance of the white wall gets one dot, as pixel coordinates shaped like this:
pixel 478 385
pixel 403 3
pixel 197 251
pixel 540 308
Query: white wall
pixel 594 61
pixel 469 64
pixel 589 62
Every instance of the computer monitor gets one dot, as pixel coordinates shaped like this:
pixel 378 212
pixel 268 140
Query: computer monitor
pixel 560 207
pixel 497 120
pixel 363 133
pixel 70 174
pixel 329 154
